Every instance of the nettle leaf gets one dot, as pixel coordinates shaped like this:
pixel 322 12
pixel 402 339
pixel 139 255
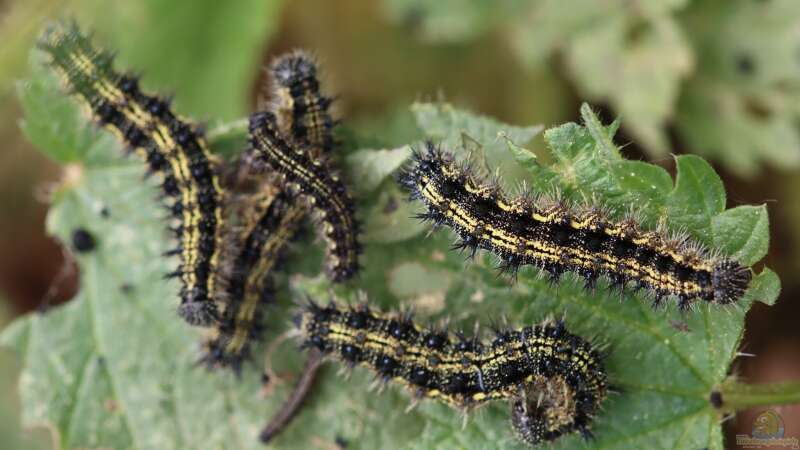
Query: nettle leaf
pixel 543 23
pixel 579 173
pixel 483 139
pixel 371 167
pixel 115 367
pixel 391 218
pixel 53 121
pixel 666 364
pixel 741 107
pixel 698 195
pixel 14 436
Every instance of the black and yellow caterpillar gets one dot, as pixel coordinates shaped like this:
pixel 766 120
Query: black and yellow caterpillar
pixel 555 380
pixel 301 108
pixel 271 220
pixel 557 237
pixel 322 187
pixel 271 212
pixel 172 148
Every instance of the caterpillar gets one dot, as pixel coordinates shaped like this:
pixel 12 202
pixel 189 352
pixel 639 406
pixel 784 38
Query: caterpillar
pixel 325 192
pixel 171 147
pixel 272 220
pixel 300 107
pixel 272 216
pixel 557 237
pixel 465 372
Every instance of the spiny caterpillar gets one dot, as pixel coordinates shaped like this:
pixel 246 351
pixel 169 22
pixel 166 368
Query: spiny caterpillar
pixel 170 146
pixel 300 107
pixel 324 190
pixel 559 238
pixel 271 222
pixel 462 372
pixel 271 215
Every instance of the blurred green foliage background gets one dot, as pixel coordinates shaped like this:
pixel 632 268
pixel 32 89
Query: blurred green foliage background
pixel 718 78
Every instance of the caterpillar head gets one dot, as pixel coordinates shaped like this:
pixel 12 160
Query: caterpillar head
pixel 198 313
pixel 729 281
pixel 294 68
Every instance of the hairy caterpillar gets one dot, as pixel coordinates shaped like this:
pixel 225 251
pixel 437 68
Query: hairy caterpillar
pixel 300 107
pixel 171 147
pixel 324 190
pixel 272 215
pixel 463 372
pixel 270 224
pixel 559 238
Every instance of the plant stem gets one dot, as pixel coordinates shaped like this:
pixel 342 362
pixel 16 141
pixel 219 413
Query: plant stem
pixel 738 396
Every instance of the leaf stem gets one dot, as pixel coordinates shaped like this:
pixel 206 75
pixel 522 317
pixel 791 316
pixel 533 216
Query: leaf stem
pixel 738 396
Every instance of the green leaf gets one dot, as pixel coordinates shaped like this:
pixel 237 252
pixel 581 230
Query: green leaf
pixel 601 136
pixel 524 157
pixel 765 288
pixel 14 436
pixel 414 279
pixel 633 59
pixel 646 182
pixel 52 121
pixel 721 123
pixel 743 232
pixel 227 139
pixel 115 367
pixel 567 141
pixel 450 125
pixel 391 218
pixel 371 167
pixel 665 363
pixel 698 195
pixel 664 372
pixel 485 138
pixel 588 162
pixel 541 176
